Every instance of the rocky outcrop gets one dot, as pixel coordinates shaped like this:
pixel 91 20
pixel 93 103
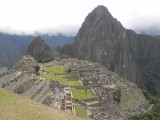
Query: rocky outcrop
pixel 26 63
pixel 103 39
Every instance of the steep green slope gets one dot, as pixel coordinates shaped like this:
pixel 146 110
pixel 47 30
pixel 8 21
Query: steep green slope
pixel 154 114
pixel 40 51
pixel 15 107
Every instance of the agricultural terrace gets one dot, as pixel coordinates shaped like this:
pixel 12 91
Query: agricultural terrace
pixel 82 94
pixel 58 73
pixel 80 111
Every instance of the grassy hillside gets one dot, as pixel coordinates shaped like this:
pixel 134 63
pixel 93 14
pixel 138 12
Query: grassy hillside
pixel 80 112
pixel 15 107
pixel 60 77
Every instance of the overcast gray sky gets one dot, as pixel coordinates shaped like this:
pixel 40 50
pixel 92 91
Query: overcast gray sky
pixel 66 16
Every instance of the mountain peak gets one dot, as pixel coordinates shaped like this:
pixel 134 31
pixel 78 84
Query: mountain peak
pixel 40 51
pixel 101 9
pixel 99 13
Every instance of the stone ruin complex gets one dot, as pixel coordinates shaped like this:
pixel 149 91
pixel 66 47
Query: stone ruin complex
pixel 104 84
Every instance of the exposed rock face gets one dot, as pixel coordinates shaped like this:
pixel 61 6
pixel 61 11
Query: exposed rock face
pixel 103 39
pixel 146 54
pixel 40 51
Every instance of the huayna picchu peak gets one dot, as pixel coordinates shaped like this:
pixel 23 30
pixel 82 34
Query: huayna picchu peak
pixel 133 56
pixel 101 10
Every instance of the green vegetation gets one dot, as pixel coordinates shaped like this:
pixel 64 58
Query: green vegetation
pixel 54 69
pixel 40 51
pixel 66 76
pixel 80 112
pixel 117 95
pixel 81 94
pixel 37 68
pixel 129 97
pixel 34 95
pixel 15 107
pixel 68 69
pixel 74 83
pixel 154 114
pixel 49 73
pixel 57 73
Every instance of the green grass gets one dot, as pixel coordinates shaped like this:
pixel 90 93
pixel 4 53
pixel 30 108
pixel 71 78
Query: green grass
pixel 81 94
pixel 80 112
pixel 43 96
pixel 50 75
pixel 34 95
pixel 51 71
pixel 16 107
pixel 74 83
pixel 55 69
pixel 60 78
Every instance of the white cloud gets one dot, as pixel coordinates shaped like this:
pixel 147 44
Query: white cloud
pixel 66 16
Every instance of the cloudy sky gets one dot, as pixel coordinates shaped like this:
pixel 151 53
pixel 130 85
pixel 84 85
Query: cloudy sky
pixel 66 16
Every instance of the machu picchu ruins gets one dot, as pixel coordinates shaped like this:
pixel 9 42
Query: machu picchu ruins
pixel 70 83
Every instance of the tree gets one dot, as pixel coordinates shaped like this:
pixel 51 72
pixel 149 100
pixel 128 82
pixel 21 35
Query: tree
pixel 69 70
pixel 85 83
pixel 37 68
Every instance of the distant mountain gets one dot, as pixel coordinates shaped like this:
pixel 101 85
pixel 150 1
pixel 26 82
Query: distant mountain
pixel 152 32
pixel 157 36
pixel 103 39
pixel 13 47
pixel 57 40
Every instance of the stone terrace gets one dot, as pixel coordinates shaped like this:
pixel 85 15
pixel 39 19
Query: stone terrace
pixel 29 85
pixel 106 85
pixel 114 96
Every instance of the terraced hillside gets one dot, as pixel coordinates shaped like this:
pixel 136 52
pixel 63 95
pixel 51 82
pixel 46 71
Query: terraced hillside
pixel 26 83
pixel 96 91
pixel 15 107
pixel 56 94
pixel 61 73
pixel 79 87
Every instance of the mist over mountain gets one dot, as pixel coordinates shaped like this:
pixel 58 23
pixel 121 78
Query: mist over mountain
pixel 13 47
pixel 133 56
pixel 152 31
